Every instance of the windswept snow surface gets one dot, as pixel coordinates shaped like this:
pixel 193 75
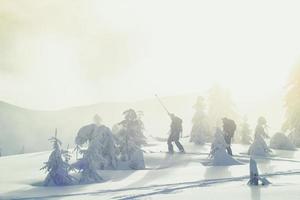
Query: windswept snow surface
pixel 166 176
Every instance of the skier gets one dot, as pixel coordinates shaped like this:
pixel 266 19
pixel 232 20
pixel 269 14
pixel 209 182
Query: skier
pixel 229 128
pixel 175 132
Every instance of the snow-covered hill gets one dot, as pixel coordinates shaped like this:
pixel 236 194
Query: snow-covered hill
pixel 30 129
pixel 178 176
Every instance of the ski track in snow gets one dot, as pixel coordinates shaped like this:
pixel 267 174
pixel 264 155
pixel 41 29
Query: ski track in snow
pixel 242 155
pixel 164 188
pixel 143 188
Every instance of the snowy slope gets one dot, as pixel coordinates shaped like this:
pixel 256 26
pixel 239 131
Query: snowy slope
pixel 175 176
pixel 31 129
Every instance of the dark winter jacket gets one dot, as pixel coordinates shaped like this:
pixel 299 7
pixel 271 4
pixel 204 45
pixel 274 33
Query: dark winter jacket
pixel 176 128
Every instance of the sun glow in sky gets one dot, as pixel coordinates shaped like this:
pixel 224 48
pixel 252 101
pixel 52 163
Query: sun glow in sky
pixel 61 53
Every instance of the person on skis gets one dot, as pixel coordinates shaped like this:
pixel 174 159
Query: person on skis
pixel 229 127
pixel 175 133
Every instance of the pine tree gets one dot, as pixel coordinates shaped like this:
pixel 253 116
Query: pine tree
pixel 57 168
pixel 292 122
pixel 90 164
pixel 220 105
pixel 130 139
pixel 200 130
pixel 245 132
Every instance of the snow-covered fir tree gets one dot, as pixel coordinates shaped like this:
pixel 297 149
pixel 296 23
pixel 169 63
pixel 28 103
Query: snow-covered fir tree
pixel 259 147
pixel 130 138
pixel 56 167
pixel 218 154
pixel 200 130
pixel 100 153
pixel 292 123
pixel 244 136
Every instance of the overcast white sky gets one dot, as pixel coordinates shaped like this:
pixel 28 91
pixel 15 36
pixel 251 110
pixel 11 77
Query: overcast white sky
pixel 61 53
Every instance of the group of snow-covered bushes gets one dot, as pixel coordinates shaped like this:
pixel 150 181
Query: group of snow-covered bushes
pixel 100 149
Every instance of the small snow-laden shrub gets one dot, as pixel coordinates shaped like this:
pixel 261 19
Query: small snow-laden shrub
pixel 259 147
pixel 218 153
pixel 281 141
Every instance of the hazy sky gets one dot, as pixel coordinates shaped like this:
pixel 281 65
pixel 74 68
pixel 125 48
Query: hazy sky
pixel 60 53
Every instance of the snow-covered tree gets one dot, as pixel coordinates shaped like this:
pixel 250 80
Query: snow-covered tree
pixel 244 134
pixel 281 141
pixel 200 130
pixel 259 147
pixel 218 153
pixel 130 138
pixel 220 105
pixel 91 162
pixel 134 126
pixel 57 167
pixel 292 122
pixel 100 153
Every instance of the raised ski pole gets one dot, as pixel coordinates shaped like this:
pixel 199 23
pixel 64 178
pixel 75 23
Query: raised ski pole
pixel 161 103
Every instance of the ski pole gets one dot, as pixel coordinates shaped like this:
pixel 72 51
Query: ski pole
pixel 161 103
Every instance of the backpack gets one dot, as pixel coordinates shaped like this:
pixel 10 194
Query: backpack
pixel 176 124
pixel 229 126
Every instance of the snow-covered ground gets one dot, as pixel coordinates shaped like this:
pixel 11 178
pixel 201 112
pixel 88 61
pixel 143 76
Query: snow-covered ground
pixel 178 176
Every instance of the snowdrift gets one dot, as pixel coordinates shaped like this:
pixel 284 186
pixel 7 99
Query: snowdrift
pixel 282 142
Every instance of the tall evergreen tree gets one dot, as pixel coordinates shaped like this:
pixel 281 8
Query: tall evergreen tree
pixel 57 168
pixel 292 122
pixel 130 138
pixel 220 105
pixel 200 130
pixel 244 135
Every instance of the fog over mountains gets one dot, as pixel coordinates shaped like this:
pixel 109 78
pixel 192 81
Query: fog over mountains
pixel 30 130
